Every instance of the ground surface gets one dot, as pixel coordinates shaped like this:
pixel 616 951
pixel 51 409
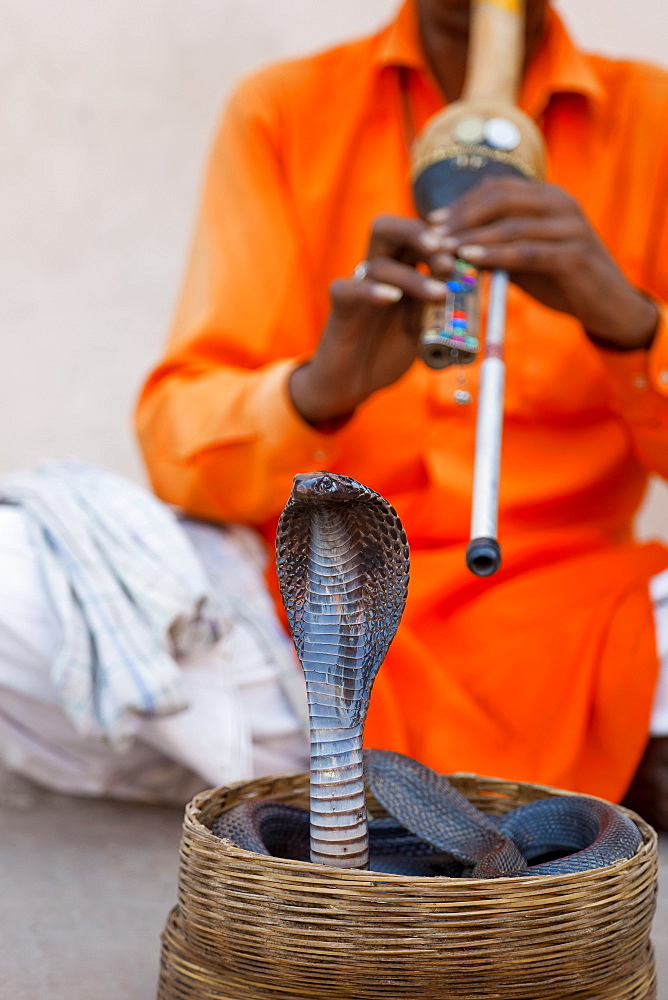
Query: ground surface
pixel 85 888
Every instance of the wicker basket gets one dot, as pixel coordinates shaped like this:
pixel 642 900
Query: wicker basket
pixel 250 927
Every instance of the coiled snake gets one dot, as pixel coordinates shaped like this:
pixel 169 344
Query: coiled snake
pixel 342 560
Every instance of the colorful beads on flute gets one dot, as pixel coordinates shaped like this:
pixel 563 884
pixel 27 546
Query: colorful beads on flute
pixel 458 326
pixel 451 334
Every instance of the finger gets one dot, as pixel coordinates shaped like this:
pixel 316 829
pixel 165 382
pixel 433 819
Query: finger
pixel 348 294
pixel 413 283
pixel 557 228
pixel 502 197
pixel 531 256
pixel 410 240
pixel 386 283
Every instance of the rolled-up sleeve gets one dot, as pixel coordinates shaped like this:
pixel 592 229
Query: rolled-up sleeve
pixel 640 378
pixel 640 385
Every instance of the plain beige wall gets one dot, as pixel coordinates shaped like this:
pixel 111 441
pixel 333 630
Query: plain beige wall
pixel 106 112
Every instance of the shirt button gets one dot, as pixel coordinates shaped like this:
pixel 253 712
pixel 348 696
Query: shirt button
pixel 663 377
pixel 640 382
pixel 319 455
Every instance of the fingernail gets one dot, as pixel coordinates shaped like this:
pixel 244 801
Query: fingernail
pixel 386 293
pixel 438 215
pixel 434 287
pixel 431 239
pixel 471 252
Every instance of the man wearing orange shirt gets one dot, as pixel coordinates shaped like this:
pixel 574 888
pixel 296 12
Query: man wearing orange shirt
pixel 285 358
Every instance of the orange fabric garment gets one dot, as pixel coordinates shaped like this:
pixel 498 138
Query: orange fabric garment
pixel 545 671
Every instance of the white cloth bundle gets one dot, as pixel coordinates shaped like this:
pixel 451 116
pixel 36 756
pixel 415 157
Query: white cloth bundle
pixel 127 588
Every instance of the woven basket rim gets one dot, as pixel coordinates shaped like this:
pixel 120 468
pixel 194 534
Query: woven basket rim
pixel 520 883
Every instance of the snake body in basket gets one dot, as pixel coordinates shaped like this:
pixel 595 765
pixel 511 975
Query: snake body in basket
pixel 343 563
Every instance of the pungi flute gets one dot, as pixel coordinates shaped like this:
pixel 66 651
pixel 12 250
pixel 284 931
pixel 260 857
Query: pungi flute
pixel 483 134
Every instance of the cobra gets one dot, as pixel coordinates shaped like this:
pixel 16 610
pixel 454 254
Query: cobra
pixel 343 567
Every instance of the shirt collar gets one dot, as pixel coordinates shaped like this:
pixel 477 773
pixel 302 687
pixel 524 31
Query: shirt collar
pixel 399 43
pixel 558 67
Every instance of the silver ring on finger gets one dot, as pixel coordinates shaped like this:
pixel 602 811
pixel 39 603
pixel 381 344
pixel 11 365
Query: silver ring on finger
pixel 360 271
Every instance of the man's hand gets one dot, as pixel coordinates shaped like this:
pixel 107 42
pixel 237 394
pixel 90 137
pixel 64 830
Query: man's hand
pixel 372 334
pixel 539 234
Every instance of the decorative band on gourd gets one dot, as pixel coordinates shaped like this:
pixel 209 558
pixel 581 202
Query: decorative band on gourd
pixel 445 173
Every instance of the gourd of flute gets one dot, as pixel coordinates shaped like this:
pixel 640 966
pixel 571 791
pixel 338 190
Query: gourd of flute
pixel 483 134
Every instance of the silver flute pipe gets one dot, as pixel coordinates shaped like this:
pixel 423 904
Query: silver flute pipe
pixel 483 553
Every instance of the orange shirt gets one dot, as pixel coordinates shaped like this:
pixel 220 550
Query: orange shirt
pixel 546 670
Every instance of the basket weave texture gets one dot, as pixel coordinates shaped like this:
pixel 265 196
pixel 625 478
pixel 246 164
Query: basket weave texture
pixel 251 927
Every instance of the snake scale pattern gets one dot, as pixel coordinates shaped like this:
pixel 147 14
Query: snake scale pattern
pixel 343 563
